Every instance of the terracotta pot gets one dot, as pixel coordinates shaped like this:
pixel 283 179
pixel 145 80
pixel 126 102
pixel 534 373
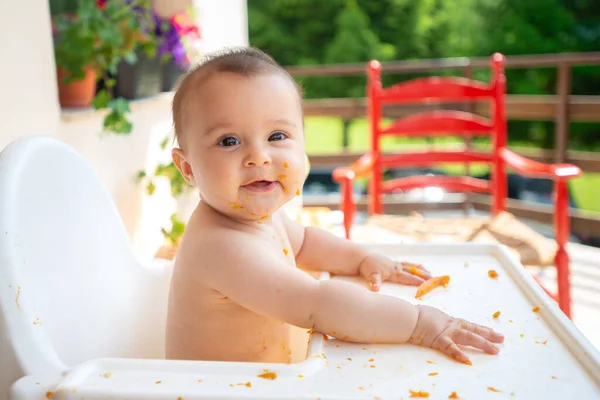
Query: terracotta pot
pixel 78 93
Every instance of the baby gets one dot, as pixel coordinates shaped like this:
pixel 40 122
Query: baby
pixel 239 279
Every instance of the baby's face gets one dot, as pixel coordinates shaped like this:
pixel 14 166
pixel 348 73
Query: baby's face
pixel 244 144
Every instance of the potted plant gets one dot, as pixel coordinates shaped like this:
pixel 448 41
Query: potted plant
pixel 88 46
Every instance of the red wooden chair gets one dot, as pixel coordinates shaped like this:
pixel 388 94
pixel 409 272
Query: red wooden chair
pixel 453 123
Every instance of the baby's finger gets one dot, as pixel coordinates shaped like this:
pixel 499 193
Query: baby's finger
pixel 446 345
pixel 483 331
pixel 375 280
pixel 468 338
pixel 405 278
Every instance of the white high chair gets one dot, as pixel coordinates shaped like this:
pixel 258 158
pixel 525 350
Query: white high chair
pixel 71 289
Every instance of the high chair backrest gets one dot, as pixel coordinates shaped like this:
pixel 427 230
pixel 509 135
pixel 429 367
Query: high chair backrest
pixel 70 287
pixel 438 123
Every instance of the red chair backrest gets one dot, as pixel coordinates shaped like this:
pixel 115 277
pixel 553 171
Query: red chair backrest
pixel 439 123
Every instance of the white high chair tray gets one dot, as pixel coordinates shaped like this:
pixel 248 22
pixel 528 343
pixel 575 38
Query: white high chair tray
pixel 543 357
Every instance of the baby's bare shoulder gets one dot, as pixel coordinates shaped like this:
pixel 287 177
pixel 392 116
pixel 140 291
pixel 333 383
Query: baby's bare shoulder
pixel 213 244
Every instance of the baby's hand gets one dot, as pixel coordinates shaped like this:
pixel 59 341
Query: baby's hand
pixel 377 268
pixel 439 331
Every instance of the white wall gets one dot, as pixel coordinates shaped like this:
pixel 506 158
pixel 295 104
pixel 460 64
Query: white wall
pixel 28 92
pixel 230 28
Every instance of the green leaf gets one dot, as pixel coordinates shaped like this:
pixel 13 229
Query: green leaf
pixel 150 188
pixel 131 58
pixel 120 105
pixel 164 143
pixel 101 100
pixel 140 176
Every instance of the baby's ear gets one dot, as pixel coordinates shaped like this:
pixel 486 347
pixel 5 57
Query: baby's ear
pixel 183 166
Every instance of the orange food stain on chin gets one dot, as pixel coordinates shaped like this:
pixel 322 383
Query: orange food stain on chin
pixel 236 206
pixel 297 192
pixel 282 176
pixel 286 165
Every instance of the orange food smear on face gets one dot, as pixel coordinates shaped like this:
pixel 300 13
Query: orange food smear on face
pixel 268 375
pixel 282 176
pixel 496 314
pixel 492 274
pixel 297 192
pixel 236 206
pixel 285 165
pixel 431 284
pixel 285 251
pixel 420 394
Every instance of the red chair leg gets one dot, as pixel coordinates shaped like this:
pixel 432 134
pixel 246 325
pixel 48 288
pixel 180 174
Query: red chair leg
pixel 564 286
pixel 562 228
pixel 553 296
pixel 347 206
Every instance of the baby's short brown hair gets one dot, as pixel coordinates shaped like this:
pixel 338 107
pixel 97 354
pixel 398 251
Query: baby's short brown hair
pixel 245 61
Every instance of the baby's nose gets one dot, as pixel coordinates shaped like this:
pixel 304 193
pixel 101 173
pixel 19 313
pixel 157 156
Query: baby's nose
pixel 257 157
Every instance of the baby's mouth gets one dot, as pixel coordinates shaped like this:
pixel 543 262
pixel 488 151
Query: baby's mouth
pixel 260 186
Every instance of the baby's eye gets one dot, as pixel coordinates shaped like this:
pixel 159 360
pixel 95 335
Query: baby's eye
pixel 277 136
pixel 228 141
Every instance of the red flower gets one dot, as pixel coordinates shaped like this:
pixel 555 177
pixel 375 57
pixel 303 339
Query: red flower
pixel 184 26
pixel 100 4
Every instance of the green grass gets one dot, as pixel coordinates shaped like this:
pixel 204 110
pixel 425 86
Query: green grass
pixel 324 136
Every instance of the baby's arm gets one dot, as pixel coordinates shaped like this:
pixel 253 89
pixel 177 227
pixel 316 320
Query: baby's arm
pixel 262 282
pixel 318 250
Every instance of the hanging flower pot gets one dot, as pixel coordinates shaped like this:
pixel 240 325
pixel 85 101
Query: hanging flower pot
pixel 77 92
